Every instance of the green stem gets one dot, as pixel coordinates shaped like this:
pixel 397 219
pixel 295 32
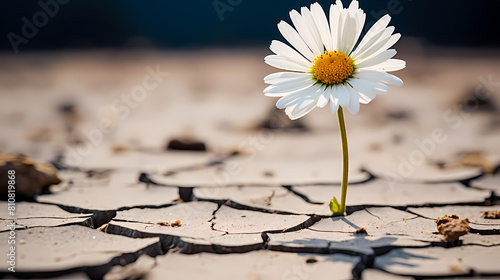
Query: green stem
pixel 345 159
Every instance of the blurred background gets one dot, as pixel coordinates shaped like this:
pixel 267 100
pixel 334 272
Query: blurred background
pixel 87 81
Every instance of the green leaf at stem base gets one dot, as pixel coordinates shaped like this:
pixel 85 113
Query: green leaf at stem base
pixel 335 207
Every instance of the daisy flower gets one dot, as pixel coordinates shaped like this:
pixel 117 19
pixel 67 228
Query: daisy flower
pixel 329 66
pixel 328 63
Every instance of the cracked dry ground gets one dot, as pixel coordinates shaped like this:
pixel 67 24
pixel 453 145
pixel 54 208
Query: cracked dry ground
pixel 252 201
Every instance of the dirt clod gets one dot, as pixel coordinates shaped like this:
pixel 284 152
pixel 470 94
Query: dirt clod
pixel 186 145
pixel 31 177
pixel 452 227
pixel 491 215
pixel 176 224
pixel 311 260
pixel 361 230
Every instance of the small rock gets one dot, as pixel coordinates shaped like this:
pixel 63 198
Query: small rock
pixel 31 177
pixel 491 214
pixel 452 227
pixel 361 230
pixel 186 145
pixel 176 224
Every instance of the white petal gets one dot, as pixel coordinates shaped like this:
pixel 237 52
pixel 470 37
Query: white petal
pixel 379 25
pixel 287 87
pixel 293 37
pixel 360 22
pixel 334 99
pixel 365 98
pixel 377 76
pixel 392 40
pixel 353 105
pixel 381 46
pixel 359 17
pixel 389 65
pixel 284 50
pixel 363 86
pixel 348 35
pixel 297 113
pixel 362 48
pixel 335 25
pixel 343 95
pixel 295 97
pixel 338 28
pixel 288 100
pixel 302 27
pixel 313 29
pixel 377 29
pixel 339 4
pixel 288 110
pixel 284 63
pixel 305 103
pixel 373 48
pixel 379 88
pixel 323 26
pixel 334 107
pixel 323 99
pixel 375 60
pixel 279 77
pixel 353 7
pixel 367 90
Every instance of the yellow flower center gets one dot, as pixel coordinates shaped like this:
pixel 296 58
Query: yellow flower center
pixel 332 67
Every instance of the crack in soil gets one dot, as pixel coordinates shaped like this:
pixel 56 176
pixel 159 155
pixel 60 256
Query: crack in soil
pixel 212 220
pixel 304 197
